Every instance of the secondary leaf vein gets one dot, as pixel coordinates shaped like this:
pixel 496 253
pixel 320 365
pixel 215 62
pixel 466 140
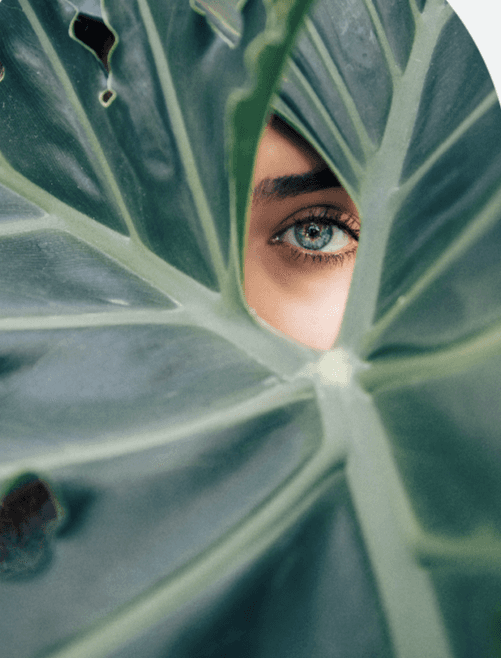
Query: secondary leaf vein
pixel 81 115
pixel 338 82
pixel 183 143
pixel 303 82
pixel 393 67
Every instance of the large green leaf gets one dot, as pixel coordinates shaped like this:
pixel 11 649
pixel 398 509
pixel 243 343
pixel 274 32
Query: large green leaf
pixel 177 479
pixel 409 119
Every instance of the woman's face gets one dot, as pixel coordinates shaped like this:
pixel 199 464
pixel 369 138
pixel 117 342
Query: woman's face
pixel 302 240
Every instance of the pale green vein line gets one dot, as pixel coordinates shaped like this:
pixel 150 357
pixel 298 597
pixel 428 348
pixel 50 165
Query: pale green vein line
pixel 477 553
pixel 355 165
pixel 339 84
pixel 442 7
pixel 183 143
pixel 388 373
pixel 488 216
pixel 27 226
pixel 132 255
pixel 243 544
pixel 393 68
pixel 204 308
pixel 59 214
pixel 384 171
pixel 291 118
pixel 31 192
pixel 137 259
pixel 234 552
pixel 431 5
pixel 414 10
pixel 408 89
pixel 112 446
pixel 489 101
pixel 118 316
pixel 406 590
pixel 81 115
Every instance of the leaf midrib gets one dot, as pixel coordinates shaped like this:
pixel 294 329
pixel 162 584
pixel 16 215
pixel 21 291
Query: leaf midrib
pixel 384 169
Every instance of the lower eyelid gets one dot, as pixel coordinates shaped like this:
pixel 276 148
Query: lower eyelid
pixel 316 258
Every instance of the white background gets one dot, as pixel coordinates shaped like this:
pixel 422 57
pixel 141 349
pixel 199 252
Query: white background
pixel 482 18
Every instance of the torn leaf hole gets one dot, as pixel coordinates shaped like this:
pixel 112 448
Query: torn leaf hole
pixel 95 35
pixel 107 97
pixel 2 71
pixel 29 514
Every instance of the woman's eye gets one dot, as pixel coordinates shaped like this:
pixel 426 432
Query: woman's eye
pixel 316 236
pixel 318 230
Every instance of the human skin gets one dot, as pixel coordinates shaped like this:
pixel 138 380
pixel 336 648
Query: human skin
pixel 300 291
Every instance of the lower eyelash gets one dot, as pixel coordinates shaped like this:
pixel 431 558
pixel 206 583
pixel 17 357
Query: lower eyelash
pixel 320 257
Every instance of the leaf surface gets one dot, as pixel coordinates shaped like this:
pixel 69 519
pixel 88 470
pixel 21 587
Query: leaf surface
pixel 423 164
pixel 217 488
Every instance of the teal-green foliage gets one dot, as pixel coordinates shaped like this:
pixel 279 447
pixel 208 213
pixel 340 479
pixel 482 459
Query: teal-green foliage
pixel 211 489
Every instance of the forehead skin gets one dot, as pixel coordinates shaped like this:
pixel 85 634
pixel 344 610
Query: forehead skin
pixel 303 301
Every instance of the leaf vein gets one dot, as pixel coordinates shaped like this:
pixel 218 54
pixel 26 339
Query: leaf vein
pixel 338 82
pixel 394 69
pixel 354 163
pixel 395 372
pixel 183 143
pixel 489 101
pixel 81 115
pixel 485 219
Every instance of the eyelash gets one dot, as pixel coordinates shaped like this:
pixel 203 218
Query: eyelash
pixel 328 216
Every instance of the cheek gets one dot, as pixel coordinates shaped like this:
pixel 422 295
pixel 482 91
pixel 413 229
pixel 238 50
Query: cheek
pixel 306 303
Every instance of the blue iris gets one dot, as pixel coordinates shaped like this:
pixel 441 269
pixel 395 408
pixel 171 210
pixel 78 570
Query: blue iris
pixel 312 235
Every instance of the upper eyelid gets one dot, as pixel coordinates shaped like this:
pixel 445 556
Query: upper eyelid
pixel 354 231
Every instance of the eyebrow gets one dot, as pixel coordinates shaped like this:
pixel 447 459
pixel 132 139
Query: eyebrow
pixel 286 186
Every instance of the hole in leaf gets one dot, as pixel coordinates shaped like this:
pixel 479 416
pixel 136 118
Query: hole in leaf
pixel 302 239
pixel 28 513
pixel 107 97
pixel 2 71
pixel 96 35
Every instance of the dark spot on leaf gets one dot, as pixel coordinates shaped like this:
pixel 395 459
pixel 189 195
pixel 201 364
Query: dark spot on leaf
pixel 28 513
pixel 13 362
pixel 95 34
pixel 10 363
pixel 78 501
